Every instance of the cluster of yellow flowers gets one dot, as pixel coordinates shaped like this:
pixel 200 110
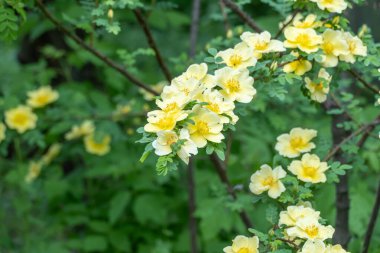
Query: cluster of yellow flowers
pixel 22 118
pixel 207 100
pixel 92 145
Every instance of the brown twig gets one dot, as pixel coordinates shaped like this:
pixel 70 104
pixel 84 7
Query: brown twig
pixel 244 16
pixel 93 51
pixel 286 25
pixel 192 206
pixel 372 222
pixel 194 27
pixel 152 43
pixel 222 172
pixel 364 82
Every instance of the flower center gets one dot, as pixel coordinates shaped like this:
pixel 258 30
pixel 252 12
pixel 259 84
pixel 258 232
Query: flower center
pixel 352 46
pixel 243 250
pixel 233 85
pixel 268 181
pixel 303 39
pixel 172 138
pixel 214 107
pixel 172 107
pixel 20 119
pixel 312 231
pixel 310 172
pixel 235 60
pixel 166 123
pixel 202 127
pixel 328 48
pixel 318 86
pixel 297 143
pixel 261 45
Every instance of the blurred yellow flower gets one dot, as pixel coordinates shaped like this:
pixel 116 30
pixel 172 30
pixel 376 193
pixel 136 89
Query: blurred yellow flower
pixel 319 91
pixel 239 57
pixel 2 132
pixel 33 171
pixel 52 152
pixel 306 40
pixel 97 148
pixel 21 118
pixel 355 48
pixel 335 249
pixel 243 244
pixel 43 96
pixel 86 128
pixel 310 21
pixel 312 246
pixel 236 85
pixel 296 142
pixel 207 127
pixel 310 169
pixel 267 179
pixel 331 5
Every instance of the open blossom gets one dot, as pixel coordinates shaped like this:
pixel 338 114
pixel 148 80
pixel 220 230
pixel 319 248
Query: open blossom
pixel 310 21
pixel 34 171
pixel 309 169
pixel 219 105
pixel 207 127
pixel 198 72
pixel 336 6
pixel 267 179
pixel 306 40
pixel 335 249
pixel 262 43
pixel 240 57
pixel 43 96
pixel 243 244
pixel 355 48
pixel 21 118
pixel 298 66
pixel 334 45
pixel 97 147
pixel 292 214
pixel 296 142
pixel 77 131
pixel 2 132
pixel 181 87
pixel 165 139
pixel 316 246
pixel 160 120
pixel 318 90
pixel 310 228
pixel 236 85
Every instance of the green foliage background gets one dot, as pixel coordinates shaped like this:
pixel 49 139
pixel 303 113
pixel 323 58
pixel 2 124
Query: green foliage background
pixel 86 203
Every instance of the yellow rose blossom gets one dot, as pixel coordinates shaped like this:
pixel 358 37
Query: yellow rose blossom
pixel 240 57
pixel 217 104
pixel 43 96
pixel 261 43
pixel 86 128
pixel 298 66
pixel 34 171
pixel 236 85
pixel 319 91
pixel 334 45
pixel 316 246
pixel 355 48
pixel 336 6
pixel 197 72
pixel 161 120
pixel 296 142
pixel 95 147
pixel 207 127
pixel 309 169
pixel 292 214
pixel 189 89
pixel 21 118
pixel 2 132
pixel 243 244
pixel 335 249
pixel 310 21
pixel 165 139
pixel 306 40
pixel 310 229
pixel 269 180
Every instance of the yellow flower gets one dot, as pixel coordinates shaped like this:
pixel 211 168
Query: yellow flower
pixel 319 91
pixel 240 57
pixel 296 142
pixel 306 40
pixel 236 85
pixel 334 45
pixel 243 244
pixel 316 246
pixel 298 66
pixel 335 249
pixel 97 148
pixel 217 104
pixel 267 179
pixel 21 118
pixel 309 169
pixel 207 127
pixel 309 228
pixel 165 139
pixel 308 22
pixel 292 214
pixel 52 152
pixel 33 171
pixel 161 120
pixel 355 48
pixel 262 43
pixel 188 89
pixel 2 132
pixel 331 5
pixel 86 128
pixel 42 97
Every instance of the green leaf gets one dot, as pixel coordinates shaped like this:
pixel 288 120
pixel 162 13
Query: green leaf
pixel 118 205
pixel 94 243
